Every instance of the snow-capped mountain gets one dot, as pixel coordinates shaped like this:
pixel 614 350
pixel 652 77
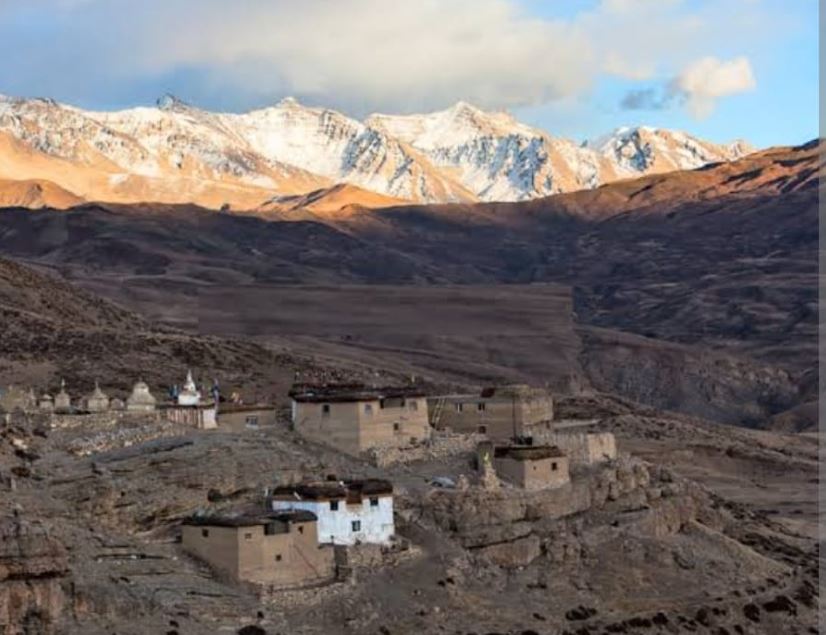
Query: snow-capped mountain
pixel 499 158
pixel 174 152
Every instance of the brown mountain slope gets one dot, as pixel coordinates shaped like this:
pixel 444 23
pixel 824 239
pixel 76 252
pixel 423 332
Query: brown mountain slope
pixel 733 270
pixel 339 200
pixel 52 330
pixel 95 178
pixel 773 172
pixel 36 194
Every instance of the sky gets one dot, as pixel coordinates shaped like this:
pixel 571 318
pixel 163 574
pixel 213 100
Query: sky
pixel 720 69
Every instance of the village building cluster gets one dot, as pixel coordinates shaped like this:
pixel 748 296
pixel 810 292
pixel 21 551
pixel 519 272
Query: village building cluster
pixel 186 405
pixel 296 536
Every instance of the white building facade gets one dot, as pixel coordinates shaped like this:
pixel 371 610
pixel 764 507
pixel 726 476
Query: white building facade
pixel 348 513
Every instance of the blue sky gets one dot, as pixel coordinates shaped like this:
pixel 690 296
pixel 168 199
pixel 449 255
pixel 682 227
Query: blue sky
pixel 721 69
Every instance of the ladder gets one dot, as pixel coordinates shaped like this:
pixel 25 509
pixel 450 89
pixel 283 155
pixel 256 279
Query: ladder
pixel 437 412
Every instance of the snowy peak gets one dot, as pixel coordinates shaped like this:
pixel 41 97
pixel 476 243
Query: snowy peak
pixel 458 124
pixel 170 102
pixel 175 152
pixel 642 149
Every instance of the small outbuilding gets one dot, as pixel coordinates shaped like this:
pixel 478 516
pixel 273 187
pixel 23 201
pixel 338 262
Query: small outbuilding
pixel 278 550
pixel 530 467
pixel 246 416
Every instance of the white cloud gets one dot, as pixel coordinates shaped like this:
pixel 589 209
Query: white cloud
pixel 360 55
pixel 706 80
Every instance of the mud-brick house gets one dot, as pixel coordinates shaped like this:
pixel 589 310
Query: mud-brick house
pixel 278 550
pixel 239 417
pixel 355 418
pixel 348 512
pixel 530 467
pixel 501 413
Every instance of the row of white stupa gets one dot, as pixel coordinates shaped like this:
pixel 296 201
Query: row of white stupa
pixel 140 400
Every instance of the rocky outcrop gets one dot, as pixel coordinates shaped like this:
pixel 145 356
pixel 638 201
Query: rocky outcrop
pixel 513 527
pixel 33 566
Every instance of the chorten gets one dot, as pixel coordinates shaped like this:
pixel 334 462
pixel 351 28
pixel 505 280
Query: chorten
pixel 46 403
pixel 141 400
pixel 62 402
pixel 189 395
pixel 97 401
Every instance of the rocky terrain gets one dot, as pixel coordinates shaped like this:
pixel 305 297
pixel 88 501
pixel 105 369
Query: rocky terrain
pixel 177 153
pixel 632 546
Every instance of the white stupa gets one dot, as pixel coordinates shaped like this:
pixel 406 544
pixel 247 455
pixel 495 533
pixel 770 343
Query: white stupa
pixel 189 395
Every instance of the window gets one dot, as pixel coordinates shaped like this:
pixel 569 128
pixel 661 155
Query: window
pixel 553 466
pixel 414 405
pixel 301 529
pixel 368 409
pixel 356 525
pixel 325 410
pixel 205 533
pixel 247 536
pixel 278 557
pixel 483 429
pixel 396 427
pixel 458 407
pixel 480 406
pixel 333 506
pixel 374 502
pixel 252 421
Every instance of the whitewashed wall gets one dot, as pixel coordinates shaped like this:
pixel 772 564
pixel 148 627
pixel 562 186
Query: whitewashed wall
pixel 336 526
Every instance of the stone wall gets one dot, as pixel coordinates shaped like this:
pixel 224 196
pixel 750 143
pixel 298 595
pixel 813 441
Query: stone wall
pixel 98 420
pixel 123 437
pixel 368 558
pixel 581 448
pixel 441 444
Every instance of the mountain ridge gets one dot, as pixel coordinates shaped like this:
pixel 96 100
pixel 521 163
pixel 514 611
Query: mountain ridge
pixel 178 153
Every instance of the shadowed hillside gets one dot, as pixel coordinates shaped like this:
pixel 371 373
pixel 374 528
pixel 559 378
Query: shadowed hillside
pixel 720 259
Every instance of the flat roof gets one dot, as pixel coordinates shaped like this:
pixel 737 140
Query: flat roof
pixel 351 392
pixel 250 520
pixel 528 452
pixel 333 490
pixel 224 408
pixel 507 392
